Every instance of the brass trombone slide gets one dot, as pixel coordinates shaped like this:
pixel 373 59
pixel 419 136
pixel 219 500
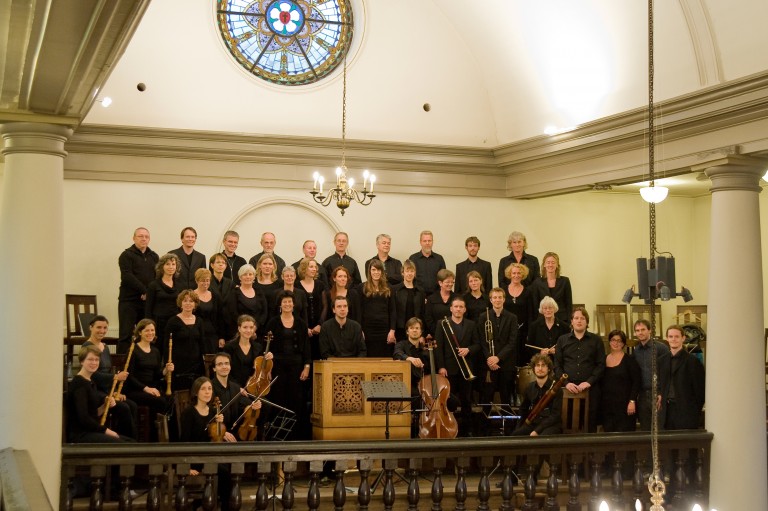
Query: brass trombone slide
pixel 453 342
pixel 489 339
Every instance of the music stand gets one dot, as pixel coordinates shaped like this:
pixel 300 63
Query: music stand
pixel 386 392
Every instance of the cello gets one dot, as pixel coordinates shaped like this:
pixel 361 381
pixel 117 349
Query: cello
pixel 436 420
pixel 258 385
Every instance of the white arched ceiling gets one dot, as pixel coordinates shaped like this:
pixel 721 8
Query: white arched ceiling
pixel 493 72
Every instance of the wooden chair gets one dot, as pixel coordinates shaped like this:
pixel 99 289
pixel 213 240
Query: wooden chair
pixel 575 412
pixel 638 311
pixel 692 314
pixel 75 306
pixel 181 399
pixel 208 359
pixel 610 317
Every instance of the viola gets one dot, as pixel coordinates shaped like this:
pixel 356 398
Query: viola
pixel 436 421
pixel 258 384
pixel 217 429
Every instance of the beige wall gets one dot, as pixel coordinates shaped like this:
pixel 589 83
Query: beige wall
pixel 597 235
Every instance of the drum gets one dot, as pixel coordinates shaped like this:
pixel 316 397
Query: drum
pixel 525 376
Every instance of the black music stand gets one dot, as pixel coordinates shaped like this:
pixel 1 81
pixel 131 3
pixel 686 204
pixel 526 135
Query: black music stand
pixel 386 392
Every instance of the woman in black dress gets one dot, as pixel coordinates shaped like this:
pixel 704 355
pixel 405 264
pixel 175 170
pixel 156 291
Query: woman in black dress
pixel 340 286
pixel 268 283
pixel 146 384
pixel 246 299
pixel 518 300
pixel 409 300
pixel 317 302
pixel 288 276
pixel 162 292
pixel 621 384
pixel 546 329
pixel 243 350
pixel 188 341
pixel 209 312
pixel 553 284
pixel 476 298
pixel 378 312
pixel 291 362
pixel 439 304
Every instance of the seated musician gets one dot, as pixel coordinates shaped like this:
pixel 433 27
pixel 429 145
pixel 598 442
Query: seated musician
pixel 412 350
pixel 124 412
pixel 547 421
pixel 243 350
pixel 85 405
pixel 200 423
pixel 227 391
pixel 146 372
pixel 341 336
pixel 457 345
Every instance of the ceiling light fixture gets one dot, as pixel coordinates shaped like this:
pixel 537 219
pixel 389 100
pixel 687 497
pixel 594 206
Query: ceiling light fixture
pixel 344 193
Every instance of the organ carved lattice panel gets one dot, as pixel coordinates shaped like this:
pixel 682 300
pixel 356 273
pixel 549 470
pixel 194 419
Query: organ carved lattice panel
pixel 377 407
pixel 347 394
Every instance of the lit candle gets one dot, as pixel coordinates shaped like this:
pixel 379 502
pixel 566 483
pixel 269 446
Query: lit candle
pixel 638 505
pixel 365 179
pixel 604 506
pixel 338 177
pixel 351 182
pixel 373 180
pixel 322 180
pixel 316 175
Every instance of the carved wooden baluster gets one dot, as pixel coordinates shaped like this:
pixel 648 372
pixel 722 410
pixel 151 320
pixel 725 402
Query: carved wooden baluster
pixel 639 486
pixel 289 469
pixel 388 494
pixel 484 484
pixel 552 486
pixel 574 487
pixel 209 497
pixel 153 495
pixel 678 497
pixel 235 493
pixel 364 491
pixel 436 493
pixel 264 470
pixel 414 494
pixel 339 490
pixel 98 474
pixel 313 494
pixel 461 484
pixel 698 479
pixel 69 498
pixel 617 483
pixel 595 483
pixel 182 500
pixel 125 503
pixel 507 484
pixel 530 486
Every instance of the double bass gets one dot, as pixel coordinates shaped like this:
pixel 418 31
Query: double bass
pixel 436 421
pixel 258 385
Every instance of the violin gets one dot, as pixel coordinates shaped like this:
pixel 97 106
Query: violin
pixel 217 429
pixel 436 421
pixel 258 385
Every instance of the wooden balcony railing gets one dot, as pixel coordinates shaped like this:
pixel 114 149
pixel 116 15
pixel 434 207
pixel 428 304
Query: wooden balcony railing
pixel 588 459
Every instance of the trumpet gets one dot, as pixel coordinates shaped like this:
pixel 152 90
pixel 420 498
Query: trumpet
pixel 453 342
pixel 489 339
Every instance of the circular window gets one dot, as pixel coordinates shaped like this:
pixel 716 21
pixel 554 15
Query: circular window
pixel 288 42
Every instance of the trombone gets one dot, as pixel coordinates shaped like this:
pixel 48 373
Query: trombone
pixel 453 342
pixel 489 339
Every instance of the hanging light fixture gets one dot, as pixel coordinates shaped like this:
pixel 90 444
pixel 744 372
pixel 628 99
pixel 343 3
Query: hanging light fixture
pixel 344 192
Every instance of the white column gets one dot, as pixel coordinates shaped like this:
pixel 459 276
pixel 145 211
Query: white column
pixel 32 300
pixel 735 400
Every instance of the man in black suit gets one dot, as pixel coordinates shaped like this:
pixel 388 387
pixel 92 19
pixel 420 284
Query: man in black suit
pixel 191 259
pixel 498 358
pixel 455 362
pixel 268 242
pixel 137 270
pixel 473 263
pixel 685 396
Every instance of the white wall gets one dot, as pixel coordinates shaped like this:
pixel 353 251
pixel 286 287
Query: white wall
pixel 597 235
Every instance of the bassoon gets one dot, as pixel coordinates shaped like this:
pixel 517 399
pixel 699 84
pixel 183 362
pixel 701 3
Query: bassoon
pixel 546 398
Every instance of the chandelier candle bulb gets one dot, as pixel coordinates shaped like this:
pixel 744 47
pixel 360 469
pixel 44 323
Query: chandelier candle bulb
pixel 316 176
pixel 338 177
pixel 322 180
pixel 365 179
pixel 373 180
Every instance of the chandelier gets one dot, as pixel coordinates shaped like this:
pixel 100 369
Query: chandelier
pixel 344 192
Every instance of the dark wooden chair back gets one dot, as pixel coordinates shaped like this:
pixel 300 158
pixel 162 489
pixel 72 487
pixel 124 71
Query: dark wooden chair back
pixel 575 412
